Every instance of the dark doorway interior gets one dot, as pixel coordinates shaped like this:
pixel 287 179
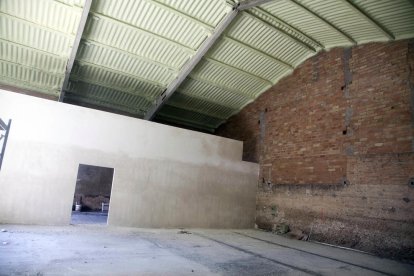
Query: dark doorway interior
pixel 92 195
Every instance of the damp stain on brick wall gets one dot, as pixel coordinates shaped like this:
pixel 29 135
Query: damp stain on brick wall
pixel 336 150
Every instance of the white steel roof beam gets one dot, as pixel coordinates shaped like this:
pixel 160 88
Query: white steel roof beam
pixel 207 44
pixel 75 47
pixel 189 66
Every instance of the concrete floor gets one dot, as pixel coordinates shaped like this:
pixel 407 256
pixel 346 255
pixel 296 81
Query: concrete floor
pixel 102 250
pixel 89 218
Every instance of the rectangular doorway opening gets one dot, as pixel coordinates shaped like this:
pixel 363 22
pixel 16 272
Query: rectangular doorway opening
pixel 92 195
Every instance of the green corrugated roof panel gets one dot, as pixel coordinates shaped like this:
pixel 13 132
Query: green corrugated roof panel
pixel 101 93
pixel 341 14
pixel 188 116
pixel 229 78
pixel 263 37
pixel 147 15
pixel 396 15
pixel 75 3
pixel 41 80
pixel 287 33
pixel 23 55
pixel 309 22
pixel 27 85
pixel 36 39
pixel 210 92
pixel 283 27
pixel 210 12
pixel 248 59
pixel 182 122
pixel 41 38
pixel 187 102
pixel 97 74
pixel 124 37
pixel 131 51
pixel 124 63
pixel 49 14
pixel 116 107
pixel 140 46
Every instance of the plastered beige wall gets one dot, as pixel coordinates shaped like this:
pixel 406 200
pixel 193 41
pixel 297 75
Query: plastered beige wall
pixel 164 176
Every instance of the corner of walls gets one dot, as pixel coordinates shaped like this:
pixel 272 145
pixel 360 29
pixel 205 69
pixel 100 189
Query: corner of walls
pixel 335 144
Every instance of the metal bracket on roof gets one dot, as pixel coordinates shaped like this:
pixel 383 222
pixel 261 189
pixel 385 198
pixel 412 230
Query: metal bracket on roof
pixel 75 47
pixel 247 4
pixel 207 44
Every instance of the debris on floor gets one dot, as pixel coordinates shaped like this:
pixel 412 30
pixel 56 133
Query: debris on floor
pixel 297 234
pixel 3 230
pixel 184 232
pixel 280 229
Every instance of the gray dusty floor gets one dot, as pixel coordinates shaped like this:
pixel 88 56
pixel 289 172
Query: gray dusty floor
pixel 89 218
pixel 101 250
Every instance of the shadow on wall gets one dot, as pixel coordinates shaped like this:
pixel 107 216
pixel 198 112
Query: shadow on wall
pixel 93 187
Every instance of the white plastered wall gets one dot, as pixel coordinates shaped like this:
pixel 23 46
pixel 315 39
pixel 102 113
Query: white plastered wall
pixel 164 176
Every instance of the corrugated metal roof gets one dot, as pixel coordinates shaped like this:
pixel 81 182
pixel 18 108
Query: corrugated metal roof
pixel 344 16
pixel 248 59
pixel 262 36
pixel 229 78
pixel 131 51
pixel 20 54
pixel 154 19
pixel 123 37
pixel 42 81
pixel 79 89
pixel 202 106
pixel 91 73
pixel 23 32
pixel 269 41
pixel 308 21
pixel 396 17
pixel 49 14
pixel 36 39
pixel 192 117
pixel 211 92
pixel 125 63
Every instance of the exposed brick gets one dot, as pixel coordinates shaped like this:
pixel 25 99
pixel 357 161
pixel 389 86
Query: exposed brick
pixel 337 151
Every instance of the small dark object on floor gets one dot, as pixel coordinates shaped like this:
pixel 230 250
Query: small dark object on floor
pixel 297 235
pixel 184 232
pixel 280 229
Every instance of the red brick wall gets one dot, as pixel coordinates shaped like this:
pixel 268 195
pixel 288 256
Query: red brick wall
pixel 335 143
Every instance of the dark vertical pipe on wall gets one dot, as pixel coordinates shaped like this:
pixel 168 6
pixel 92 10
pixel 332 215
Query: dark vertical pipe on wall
pixel 4 143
